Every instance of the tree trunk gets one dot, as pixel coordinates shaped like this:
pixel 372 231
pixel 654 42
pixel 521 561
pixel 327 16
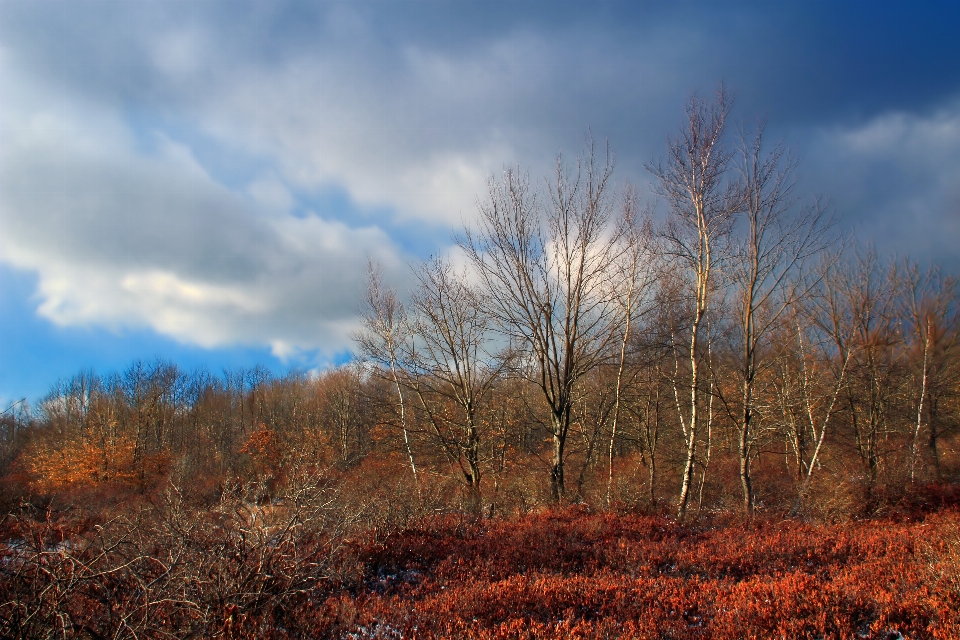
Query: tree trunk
pixel 691 440
pixel 617 391
pixel 923 394
pixel 746 483
pixel 557 484
pixel 406 432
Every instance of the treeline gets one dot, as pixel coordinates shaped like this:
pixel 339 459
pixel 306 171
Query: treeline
pixel 739 350
pixel 733 353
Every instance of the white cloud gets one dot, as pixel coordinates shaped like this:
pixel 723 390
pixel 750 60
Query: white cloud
pixel 120 238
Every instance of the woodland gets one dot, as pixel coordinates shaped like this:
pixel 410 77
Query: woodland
pixel 716 416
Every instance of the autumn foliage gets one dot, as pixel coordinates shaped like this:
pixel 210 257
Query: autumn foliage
pixel 575 574
pixel 79 464
pixel 565 573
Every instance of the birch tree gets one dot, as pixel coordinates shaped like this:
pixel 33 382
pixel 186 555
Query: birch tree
pixel 778 238
pixel 825 347
pixel 633 279
pixel 382 341
pixel 702 201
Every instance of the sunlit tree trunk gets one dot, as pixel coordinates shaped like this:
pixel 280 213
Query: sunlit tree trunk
pixel 702 201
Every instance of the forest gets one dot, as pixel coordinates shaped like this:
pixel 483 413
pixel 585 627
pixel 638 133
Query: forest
pixel 700 412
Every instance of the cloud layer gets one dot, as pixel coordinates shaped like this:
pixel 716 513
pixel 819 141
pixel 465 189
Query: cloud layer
pixel 124 238
pixel 897 176
pixel 220 173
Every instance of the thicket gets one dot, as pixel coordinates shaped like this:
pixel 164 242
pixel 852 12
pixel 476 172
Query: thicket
pixel 735 357
pixel 301 570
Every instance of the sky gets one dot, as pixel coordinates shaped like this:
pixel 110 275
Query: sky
pixel 206 182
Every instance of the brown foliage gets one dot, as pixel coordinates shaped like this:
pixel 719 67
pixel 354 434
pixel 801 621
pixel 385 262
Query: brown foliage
pixel 575 574
pixel 303 570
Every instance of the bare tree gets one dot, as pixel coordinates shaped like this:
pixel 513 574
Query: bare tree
pixel 13 423
pixel 633 278
pixel 825 346
pixel 340 411
pixel 867 289
pixel 385 331
pixel 658 364
pixel 931 311
pixel 768 274
pixel 451 362
pixel 543 261
pixel 702 202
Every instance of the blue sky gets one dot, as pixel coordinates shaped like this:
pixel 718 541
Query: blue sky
pixel 205 181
